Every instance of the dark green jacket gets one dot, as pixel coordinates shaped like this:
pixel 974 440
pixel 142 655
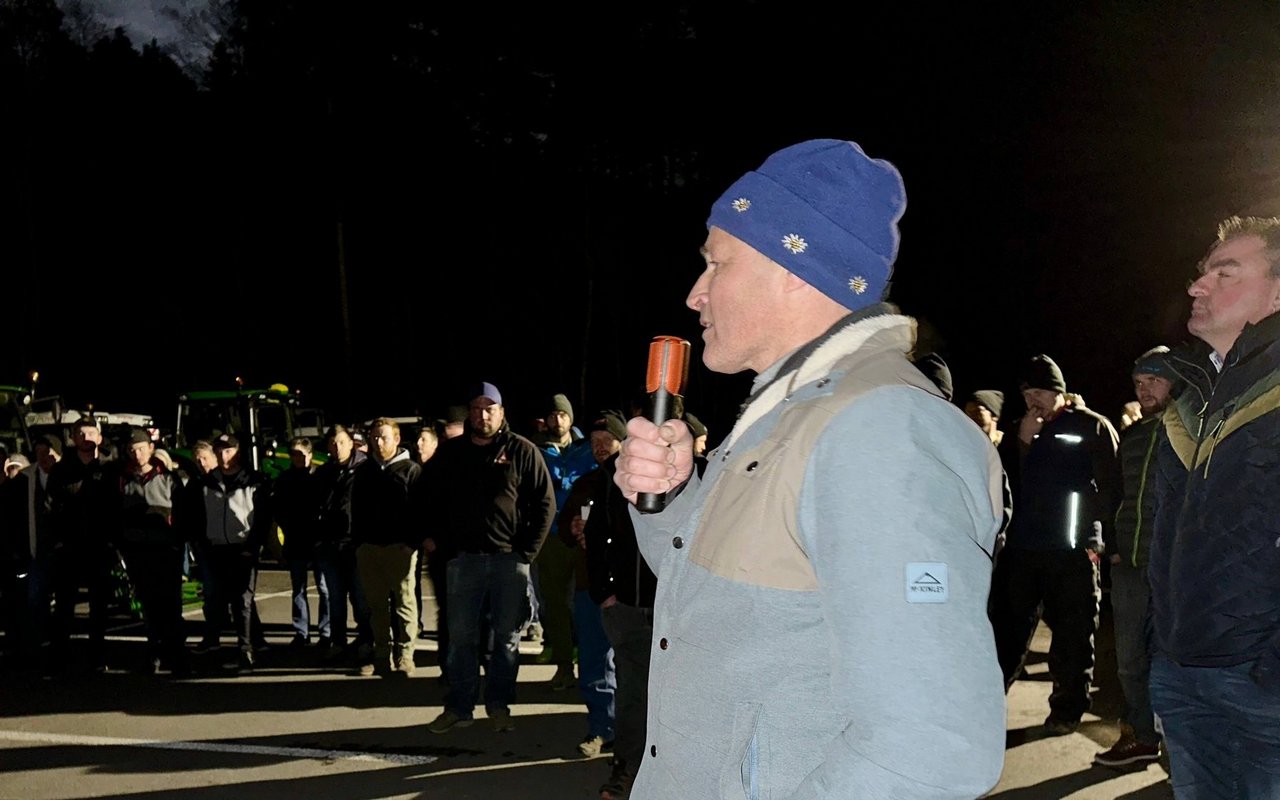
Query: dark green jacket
pixel 1136 514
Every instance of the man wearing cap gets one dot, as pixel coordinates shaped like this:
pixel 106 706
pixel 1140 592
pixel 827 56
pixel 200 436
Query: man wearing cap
pixel 14 464
pixel 152 549
pixel 622 585
pixel 230 511
pixel 568 456
pixel 846 523
pixel 492 501
pixel 1064 475
pixel 596 675
pixel 84 512
pixel 15 559
pixel 1215 554
pixel 28 519
pixel 1129 555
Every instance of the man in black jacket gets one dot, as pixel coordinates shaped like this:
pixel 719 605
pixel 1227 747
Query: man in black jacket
pixel 1064 478
pixel 492 501
pixel 86 521
pixel 388 530
pixel 622 584
pixel 152 549
pixel 336 551
pixel 230 509
pixel 296 500
pixel 1129 555
pixel 1215 558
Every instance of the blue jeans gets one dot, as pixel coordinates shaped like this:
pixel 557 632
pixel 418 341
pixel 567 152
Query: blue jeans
pixel 338 566
pixel 1130 596
pixel 630 632
pixel 301 611
pixel 596 680
pixel 1220 728
pixel 39 593
pixel 499 582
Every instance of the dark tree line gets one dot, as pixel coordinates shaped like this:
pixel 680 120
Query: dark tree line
pixel 381 203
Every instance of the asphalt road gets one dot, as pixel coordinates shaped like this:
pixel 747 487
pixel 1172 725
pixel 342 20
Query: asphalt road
pixel 296 727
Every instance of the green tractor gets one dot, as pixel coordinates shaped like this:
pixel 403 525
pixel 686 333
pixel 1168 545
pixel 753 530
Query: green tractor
pixel 264 420
pixel 14 403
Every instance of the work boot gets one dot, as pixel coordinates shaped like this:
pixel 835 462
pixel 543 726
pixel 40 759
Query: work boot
pixel 1060 726
pixel 447 721
pixel 1128 750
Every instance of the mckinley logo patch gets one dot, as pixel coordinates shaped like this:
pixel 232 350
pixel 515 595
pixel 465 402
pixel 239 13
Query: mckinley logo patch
pixel 926 582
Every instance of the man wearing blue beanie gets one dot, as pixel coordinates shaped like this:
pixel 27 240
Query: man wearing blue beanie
pixel 849 518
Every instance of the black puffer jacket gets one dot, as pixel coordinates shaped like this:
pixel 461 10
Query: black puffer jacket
pixel 1215 557
pixel 1136 513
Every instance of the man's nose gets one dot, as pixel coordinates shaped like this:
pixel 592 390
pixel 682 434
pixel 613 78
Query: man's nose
pixel 1198 287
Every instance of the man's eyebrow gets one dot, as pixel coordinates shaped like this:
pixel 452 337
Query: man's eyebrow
pixel 1223 262
pixel 702 251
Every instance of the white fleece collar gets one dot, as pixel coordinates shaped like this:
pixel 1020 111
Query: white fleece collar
pixel 819 363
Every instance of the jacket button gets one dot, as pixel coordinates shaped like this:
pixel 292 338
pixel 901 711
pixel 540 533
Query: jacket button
pixel 677 543
pixel 663 643
pixel 752 466
pixel 653 750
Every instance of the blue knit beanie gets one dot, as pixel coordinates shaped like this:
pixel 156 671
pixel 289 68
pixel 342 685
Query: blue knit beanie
pixel 824 211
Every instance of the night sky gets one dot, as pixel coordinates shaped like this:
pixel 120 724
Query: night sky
pixel 519 196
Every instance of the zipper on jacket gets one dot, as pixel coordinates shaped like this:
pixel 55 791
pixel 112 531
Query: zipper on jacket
pixel 1195 456
pixel 1215 433
pixel 1142 488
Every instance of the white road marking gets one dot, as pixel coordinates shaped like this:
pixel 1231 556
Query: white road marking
pixel 196 610
pixel 218 747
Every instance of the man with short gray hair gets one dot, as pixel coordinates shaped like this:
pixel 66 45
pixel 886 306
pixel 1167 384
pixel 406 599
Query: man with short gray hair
pixel 1215 558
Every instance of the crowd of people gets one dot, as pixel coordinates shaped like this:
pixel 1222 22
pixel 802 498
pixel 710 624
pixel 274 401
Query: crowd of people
pixel 483 511
pixel 892 547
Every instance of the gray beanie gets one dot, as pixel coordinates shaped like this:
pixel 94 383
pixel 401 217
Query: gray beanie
pixel 992 399
pixel 1042 373
pixel 560 402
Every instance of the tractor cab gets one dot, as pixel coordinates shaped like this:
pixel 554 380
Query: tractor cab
pixel 264 420
pixel 14 436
